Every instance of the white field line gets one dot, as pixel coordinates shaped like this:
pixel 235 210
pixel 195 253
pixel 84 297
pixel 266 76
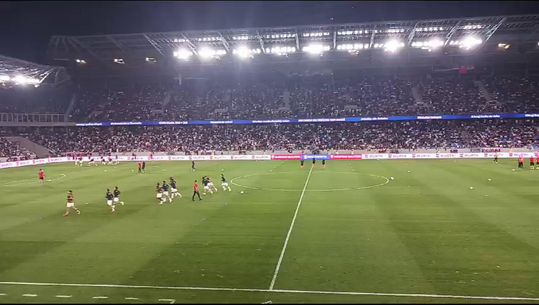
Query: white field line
pixel 100 297
pixel 3 294
pixel 418 295
pixel 63 296
pixel 289 231
pixel 170 301
pixel 29 295
pixel 131 298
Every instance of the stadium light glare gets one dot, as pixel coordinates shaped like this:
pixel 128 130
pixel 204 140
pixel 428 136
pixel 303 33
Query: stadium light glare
pixel 316 49
pixel 470 42
pixel 280 50
pixel 244 52
pixel 151 60
pixel 119 61
pixel 183 54
pixel 23 80
pixel 393 45
pixel 206 53
pixel 504 46
pixel 80 61
pixel 5 78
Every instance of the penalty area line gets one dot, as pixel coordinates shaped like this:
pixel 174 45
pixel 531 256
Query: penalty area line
pixel 382 294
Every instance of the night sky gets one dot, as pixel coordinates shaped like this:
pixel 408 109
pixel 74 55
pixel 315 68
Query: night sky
pixel 27 26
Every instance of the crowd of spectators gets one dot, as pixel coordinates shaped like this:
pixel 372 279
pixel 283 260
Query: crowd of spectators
pixel 13 152
pixel 312 96
pixel 373 136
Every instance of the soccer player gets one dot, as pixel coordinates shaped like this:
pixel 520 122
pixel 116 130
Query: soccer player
pixel 193 166
pixel 520 162
pixel 224 184
pixel 158 193
pixel 41 176
pixel 314 161
pixel 92 162
pixel 143 166
pixel 110 201
pixel 110 160
pixel 70 204
pixel 139 167
pixel 206 186
pixel 324 163
pixel 173 189
pixel 496 158
pixel 166 196
pixel 116 194
pixel 210 185
pixel 103 161
pixel 301 162
pixel 195 191
pixel 532 163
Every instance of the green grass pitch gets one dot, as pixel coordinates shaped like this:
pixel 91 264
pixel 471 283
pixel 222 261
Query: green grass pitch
pixel 424 236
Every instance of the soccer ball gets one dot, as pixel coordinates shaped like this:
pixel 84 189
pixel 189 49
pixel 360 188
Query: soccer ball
pixel 392 178
pixel 471 187
pixel 409 171
pixel 489 179
pixel 513 169
pixel 241 192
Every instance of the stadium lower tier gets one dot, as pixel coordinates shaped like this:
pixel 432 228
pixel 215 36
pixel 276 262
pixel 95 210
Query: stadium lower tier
pixel 307 137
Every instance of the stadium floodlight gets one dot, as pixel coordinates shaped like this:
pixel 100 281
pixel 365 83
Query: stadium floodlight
pixel 206 53
pixel 151 60
pixel 119 61
pixel 352 47
pixel 80 61
pixel 281 50
pixel 183 54
pixel 5 78
pixel 504 46
pixel 393 45
pixel 24 80
pixel 244 52
pixel 470 42
pixel 316 49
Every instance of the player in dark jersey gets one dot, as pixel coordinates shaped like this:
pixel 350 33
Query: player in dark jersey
pixel 158 193
pixel 314 161
pixel 110 200
pixel 166 195
pixel 301 163
pixel 193 165
pixel 195 191
pixel 173 189
pixel 224 183
pixel 143 166
pixel 207 188
pixel 139 164
pixel 496 158
pixel 116 194
pixel 324 163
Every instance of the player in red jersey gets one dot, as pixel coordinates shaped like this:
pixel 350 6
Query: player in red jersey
pixel 520 162
pixel 195 191
pixel 532 163
pixel 41 176
pixel 139 167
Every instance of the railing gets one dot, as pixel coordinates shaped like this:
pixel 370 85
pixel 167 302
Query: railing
pixel 34 119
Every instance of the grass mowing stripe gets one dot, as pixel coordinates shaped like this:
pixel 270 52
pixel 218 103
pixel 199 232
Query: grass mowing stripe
pixel 447 296
pixel 290 231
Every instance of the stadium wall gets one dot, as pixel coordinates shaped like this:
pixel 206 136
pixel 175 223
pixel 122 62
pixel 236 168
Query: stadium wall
pixel 280 157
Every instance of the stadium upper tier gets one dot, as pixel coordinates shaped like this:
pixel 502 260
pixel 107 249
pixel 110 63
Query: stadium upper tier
pixel 283 97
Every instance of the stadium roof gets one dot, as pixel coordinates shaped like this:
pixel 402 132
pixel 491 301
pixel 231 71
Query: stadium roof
pixel 15 71
pixel 120 49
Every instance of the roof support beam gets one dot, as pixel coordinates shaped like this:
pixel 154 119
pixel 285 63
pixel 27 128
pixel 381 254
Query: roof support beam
pixel 334 39
pixel 85 48
pixel 451 33
pixel 261 42
pixel 371 43
pixel 412 34
pixel 153 43
pixel 297 41
pixel 494 28
pixel 224 42
pixel 190 44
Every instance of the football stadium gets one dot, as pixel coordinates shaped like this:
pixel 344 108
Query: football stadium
pixel 354 162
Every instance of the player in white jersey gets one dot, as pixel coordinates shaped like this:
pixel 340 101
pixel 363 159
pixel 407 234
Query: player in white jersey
pixel 224 183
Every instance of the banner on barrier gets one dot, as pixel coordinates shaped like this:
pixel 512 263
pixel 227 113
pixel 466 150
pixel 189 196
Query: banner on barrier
pixel 286 157
pixel 345 157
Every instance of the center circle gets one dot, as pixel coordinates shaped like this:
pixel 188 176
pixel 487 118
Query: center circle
pixel 332 181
